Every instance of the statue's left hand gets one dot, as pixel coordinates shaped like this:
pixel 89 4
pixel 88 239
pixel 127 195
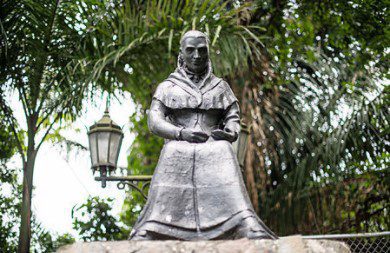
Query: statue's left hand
pixel 219 134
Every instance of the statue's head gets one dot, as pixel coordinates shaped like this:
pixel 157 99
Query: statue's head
pixel 194 51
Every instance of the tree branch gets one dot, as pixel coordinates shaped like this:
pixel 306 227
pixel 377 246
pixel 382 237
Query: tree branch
pixel 23 99
pixel 45 117
pixel 48 130
pixel 44 95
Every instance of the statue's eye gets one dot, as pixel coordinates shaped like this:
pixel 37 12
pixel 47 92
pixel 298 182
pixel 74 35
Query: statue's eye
pixel 189 49
pixel 203 50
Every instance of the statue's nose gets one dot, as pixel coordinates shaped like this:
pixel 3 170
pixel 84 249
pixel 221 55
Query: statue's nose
pixel 196 54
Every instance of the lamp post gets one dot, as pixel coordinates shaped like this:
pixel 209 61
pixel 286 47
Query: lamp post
pixel 105 140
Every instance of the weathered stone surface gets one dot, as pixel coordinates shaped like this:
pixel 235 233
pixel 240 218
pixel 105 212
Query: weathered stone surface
pixel 291 244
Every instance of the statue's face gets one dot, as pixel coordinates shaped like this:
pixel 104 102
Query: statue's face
pixel 195 54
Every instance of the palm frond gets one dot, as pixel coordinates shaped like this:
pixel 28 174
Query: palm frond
pixel 308 132
pixel 142 36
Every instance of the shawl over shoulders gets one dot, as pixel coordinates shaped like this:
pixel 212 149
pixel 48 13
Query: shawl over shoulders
pixel 178 93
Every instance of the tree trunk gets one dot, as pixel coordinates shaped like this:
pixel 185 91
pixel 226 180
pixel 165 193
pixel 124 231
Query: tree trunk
pixel 25 226
pixel 249 166
pixel 250 176
pixel 28 172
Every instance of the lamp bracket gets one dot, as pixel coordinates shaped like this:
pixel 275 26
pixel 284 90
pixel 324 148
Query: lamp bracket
pixel 131 181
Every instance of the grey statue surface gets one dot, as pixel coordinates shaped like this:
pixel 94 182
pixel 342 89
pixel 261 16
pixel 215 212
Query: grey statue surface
pixel 197 191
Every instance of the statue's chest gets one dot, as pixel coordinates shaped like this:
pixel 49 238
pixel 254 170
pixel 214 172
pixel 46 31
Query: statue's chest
pixel 214 98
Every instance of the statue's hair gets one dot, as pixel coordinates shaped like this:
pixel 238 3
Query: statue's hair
pixel 194 34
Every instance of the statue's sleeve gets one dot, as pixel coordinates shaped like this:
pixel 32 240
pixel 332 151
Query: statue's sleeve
pixel 158 123
pixel 231 121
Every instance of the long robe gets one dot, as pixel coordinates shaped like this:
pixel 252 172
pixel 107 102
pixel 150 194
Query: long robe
pixel 197 190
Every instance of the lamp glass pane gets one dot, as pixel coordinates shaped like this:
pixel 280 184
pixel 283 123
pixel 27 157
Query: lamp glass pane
pixel 92 148
pixel 103 139
pixel 114 147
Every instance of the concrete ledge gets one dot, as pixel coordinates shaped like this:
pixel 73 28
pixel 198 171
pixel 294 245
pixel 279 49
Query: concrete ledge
pixel 290 244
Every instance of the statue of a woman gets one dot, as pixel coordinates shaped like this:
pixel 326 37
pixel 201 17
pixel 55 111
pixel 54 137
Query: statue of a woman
pixel 197 191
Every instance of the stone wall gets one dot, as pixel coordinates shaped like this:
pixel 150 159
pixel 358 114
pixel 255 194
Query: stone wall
pixel 290 244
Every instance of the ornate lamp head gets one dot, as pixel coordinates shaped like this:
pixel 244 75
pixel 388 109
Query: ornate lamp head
pixel 105 139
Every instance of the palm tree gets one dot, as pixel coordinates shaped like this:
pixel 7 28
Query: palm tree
pixel 40 54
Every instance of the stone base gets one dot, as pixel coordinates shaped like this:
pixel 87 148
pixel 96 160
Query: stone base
pixel 290 244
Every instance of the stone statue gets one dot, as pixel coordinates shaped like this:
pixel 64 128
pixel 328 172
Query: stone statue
pixel 197 191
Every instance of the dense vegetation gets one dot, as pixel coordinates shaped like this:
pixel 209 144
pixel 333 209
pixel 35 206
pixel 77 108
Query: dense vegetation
pixel 311 77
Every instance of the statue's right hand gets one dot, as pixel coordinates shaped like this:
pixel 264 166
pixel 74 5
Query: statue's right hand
pixel 191 135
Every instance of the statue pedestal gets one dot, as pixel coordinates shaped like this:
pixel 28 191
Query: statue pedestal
pixel 290 244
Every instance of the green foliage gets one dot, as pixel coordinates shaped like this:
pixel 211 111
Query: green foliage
pixel 333 27
pixel 94 222
pixel 64 239
pixel 38 52
pixel 9 209
pixel 358 29
pixel 9 192
pixel 6 151
pixel 44 241
pixel 316 131
pixel 326 116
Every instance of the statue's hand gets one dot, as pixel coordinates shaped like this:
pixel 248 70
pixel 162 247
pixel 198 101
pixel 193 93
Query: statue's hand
pixel 226 135
pixel 191 135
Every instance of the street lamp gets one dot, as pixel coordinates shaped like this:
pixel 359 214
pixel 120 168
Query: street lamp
pixel 105 140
